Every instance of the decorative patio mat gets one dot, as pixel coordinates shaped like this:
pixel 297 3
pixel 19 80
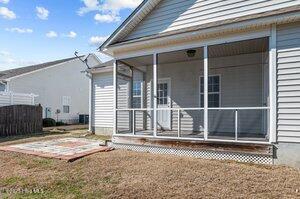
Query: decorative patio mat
pixel 69 149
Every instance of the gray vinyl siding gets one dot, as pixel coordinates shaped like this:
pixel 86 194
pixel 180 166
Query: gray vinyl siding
pixel 171 15
pixel 288 84
pixel 102 100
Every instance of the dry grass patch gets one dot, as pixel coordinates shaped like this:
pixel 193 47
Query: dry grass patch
pixel 125 174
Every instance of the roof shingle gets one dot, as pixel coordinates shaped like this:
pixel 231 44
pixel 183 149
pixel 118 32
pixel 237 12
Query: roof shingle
pixel 19 71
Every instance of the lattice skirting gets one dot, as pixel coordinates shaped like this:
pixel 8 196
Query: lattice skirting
pixel 205 154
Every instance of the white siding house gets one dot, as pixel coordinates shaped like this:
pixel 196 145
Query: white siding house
pixel 209 78
pixel 59 85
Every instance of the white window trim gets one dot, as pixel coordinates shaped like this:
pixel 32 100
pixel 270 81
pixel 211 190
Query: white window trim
pixel 141 95
pixel 220 90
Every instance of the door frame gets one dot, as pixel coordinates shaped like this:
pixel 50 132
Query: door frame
pixel 169 82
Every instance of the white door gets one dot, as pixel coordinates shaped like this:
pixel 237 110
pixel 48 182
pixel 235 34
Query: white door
pixel 164 101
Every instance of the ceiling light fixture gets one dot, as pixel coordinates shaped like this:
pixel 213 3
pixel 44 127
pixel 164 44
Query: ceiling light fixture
pixel 191 53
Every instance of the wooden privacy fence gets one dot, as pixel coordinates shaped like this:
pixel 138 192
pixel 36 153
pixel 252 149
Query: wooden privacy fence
pixel 20 120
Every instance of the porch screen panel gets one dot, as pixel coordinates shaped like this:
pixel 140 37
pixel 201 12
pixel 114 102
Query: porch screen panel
pixel 256 127
pixel 138 100
pixel 124 81
pixel 242 72
pixel 179 111
pixel 221 124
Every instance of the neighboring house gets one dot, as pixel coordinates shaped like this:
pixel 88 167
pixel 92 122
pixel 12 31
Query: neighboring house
pixel 211 79
pixel 59 85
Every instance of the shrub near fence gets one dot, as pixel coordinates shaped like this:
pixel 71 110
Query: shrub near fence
pixel 20 120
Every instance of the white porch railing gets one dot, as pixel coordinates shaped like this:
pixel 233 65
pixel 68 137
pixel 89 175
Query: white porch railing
pixel 11 98
pixel 132 129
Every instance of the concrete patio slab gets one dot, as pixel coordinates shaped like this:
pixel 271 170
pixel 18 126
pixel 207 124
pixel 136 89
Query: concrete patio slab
pixel 68 149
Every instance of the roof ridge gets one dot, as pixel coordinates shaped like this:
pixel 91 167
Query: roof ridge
pixel 26 69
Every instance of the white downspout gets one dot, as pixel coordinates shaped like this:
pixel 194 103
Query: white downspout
pixel 90 76
pixel 115 104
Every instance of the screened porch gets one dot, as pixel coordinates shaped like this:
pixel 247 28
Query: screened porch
pixel 212 93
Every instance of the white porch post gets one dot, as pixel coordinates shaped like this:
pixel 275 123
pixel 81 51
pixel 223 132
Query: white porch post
pixel 273 84
pixel 155 94
pixel 115 97
pixel 205 92
pixel 90 76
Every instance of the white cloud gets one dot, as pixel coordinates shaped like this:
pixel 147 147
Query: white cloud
pixel 72 34
pixel 8 61
pixel 6 13
pixel 19 30
pixel 109 10
pixel 107 18
pixel 89 5
pixel 4 1
pixel 51 34
pixel 97 40
pixel 117 5
pixel 42 13
pixel 4 53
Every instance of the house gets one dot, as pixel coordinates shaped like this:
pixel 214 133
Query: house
pixel 61 86
pixel 210 79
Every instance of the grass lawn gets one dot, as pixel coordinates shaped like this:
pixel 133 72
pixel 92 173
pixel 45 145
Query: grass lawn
pixel 126 174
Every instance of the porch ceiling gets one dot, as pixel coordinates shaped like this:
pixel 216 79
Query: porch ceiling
pixel 237 48
pixel 222 50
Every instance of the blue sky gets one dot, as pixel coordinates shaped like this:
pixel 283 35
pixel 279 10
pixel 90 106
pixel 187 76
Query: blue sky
pixel 36 31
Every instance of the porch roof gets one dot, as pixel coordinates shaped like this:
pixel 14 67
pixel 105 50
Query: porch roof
pixel 114 39
pixel 102 68
pixel 222 50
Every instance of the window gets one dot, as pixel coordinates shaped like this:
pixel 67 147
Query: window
pixel 213 91
pixel 2 87
pixel 66 101
pixel 137 94
pixel 162 94
pixel 66 109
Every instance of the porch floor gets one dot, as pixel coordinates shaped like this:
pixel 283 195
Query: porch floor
pixel 200 135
